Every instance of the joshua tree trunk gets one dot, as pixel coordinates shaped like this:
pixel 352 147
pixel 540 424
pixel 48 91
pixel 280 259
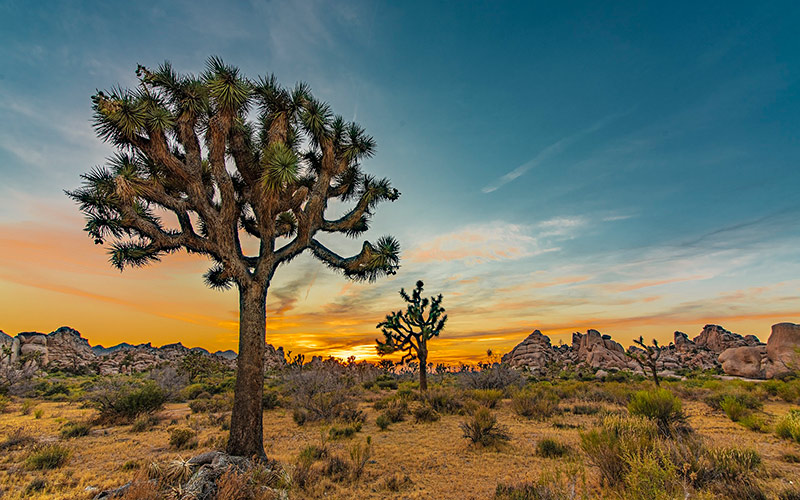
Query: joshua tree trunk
pixel 246 437
pixel 423 367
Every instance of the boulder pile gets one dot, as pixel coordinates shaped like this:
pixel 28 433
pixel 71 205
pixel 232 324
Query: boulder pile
pixel 66 349
pixel 714 347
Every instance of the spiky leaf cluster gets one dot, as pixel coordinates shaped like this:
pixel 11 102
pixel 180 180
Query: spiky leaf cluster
pixel 409 331
pixel 187 148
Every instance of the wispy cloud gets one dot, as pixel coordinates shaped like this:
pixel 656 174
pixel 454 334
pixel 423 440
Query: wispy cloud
pixel 547 153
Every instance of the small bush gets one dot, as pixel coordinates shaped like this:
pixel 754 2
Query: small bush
pixel 487 397
pixel 651 476
pixel 497 376
pixel 746 399
pixel 446 401
pixel 482 429
pixel 538 403
pixel 734 465
pixel 345 431
pixel 27 407
pixel 38 414
pixel 182 438
pixel 606 446
pixel 120 400
pixel 144 423
pixel 75 429
pixel 396 410
pixel 193 391
pixel 789 494
pixel 585 409
pixel 359 456
pixel 386 382
pixel 528 491
pixel 754 423
pixel 425 413
pixel 788 426
pixel 791 458
pixel 733 408
pixel 271 399
pixel 550 448
pixel 218 403
pixel 662 407
pixel 35 486
pixel 4 401
pixel 336 468
pixel 383 422
pixel 50 456
pixel 300 416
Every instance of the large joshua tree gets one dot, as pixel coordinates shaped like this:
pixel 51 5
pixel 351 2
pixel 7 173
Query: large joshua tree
pixel 189 150
pixel 410 331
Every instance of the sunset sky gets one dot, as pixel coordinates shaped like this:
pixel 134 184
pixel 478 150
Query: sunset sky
pixel 633 169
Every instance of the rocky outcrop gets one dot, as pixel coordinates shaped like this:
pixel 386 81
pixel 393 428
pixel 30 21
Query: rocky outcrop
pixel 534 352
pixel 718 339
pixel 599 351
pixel 66 349
pixel 783 350
pixel 714 348
pixel 747 361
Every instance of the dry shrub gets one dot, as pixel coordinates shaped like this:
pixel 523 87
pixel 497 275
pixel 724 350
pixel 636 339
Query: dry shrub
pixel 49 456
pixel 425 413
pixel 539 403
pixel 142 489
pixel 182 438
pixel 483 430
pixel 487 397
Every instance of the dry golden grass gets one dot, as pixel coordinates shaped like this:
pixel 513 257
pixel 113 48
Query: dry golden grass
pixel 434 456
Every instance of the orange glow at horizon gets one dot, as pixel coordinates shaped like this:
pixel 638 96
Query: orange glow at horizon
pixel 55 276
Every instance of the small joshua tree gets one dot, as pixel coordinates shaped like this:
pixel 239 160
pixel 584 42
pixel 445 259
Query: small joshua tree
pixel 648 359
pixel 410 331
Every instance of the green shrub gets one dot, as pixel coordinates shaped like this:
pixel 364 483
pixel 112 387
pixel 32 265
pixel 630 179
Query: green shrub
pixel 746 399
pixel 789 391
pixel 49 456
pixel 606 447
pixel 383 421
pixel 425 413
pixel 75 429
pixel 193 391
pixel 733 408
pixel 788 426
pixel 734 465
pixel 538 403
pixel 4 401
pixel 39 413
pixel 487 397
pixel 119 400
pixel 312 453
pixel 386 381
pixel 483 430
pixel 182 438
pixel 27 406
pixel 218 403
pixel 754 423
pixel 550 448
pixel 651 475
pixel 444 400
pixel 35 486
pixel 661 406
pixel 345 431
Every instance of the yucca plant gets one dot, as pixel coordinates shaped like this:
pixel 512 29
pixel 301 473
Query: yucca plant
pixel 270 179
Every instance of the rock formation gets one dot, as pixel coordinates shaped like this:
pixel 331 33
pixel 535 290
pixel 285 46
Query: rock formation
pixel 66 349
pixel 715 347
pixel 779 357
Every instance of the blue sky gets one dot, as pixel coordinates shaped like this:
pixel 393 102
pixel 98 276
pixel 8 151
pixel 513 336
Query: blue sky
pixel 630 167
